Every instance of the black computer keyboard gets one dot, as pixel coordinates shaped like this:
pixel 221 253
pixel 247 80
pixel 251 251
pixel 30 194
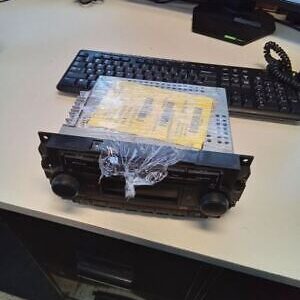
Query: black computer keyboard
pixel 251 93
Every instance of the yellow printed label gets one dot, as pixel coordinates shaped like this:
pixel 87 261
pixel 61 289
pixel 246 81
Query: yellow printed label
pixel 151 112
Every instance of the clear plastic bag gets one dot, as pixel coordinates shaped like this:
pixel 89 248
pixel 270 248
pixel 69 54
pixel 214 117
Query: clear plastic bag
pixel 139 164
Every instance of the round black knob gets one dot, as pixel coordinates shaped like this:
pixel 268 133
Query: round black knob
pixel 214 204
pixel 65 186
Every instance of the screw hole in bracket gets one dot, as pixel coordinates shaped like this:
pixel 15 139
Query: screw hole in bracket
pixel 246 160
pixel 44 136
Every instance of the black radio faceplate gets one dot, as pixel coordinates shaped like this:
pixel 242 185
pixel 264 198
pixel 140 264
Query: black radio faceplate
pixel 202 183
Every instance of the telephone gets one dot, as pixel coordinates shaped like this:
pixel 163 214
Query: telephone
pixel 281 68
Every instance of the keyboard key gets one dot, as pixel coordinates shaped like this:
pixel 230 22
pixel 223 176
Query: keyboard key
pixel 292 96
pixel 83 53
pixel 211 78
pixel 225 77
pixel 248 101
pixel 224 84
pixel 183 72
pixel 77 70
pixel 129 75
pixel 261 105
pixel 90 71
pixel 68 81
pixel 149 77
pixel 110 73
pixel 119 69
pixel 100 67
pixel 139 72
pixel 110 68
pixel 258 79
pixel 236 100
pixel 285 109
pixel 135 65
pixel 129 70
pixel 92 77
pixel 295 108
pixel 76 75
pixel 79 59
pixel 246 86
pixel 271 99
pixel 283 100
pixel 151 61
pixel 100 72
pixel 88 60
pixel 132 61
pixel 82 83
pixel 173 71
pixel 79 64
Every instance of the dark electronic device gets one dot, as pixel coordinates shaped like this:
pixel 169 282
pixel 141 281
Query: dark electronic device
pixel 239 21
pixel 202 184
pixel 235 21
pixel 251 93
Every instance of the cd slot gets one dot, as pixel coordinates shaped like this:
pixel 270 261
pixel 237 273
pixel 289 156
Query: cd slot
pixel 161 192
pixel 78 164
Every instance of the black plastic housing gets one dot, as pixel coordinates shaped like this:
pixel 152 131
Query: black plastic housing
pixel 203 183
pixel 232 22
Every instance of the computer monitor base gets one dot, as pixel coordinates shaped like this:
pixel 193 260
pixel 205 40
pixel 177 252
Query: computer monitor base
pixel 238 27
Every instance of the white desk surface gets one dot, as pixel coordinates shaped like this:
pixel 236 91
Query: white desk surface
pixel 38 40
